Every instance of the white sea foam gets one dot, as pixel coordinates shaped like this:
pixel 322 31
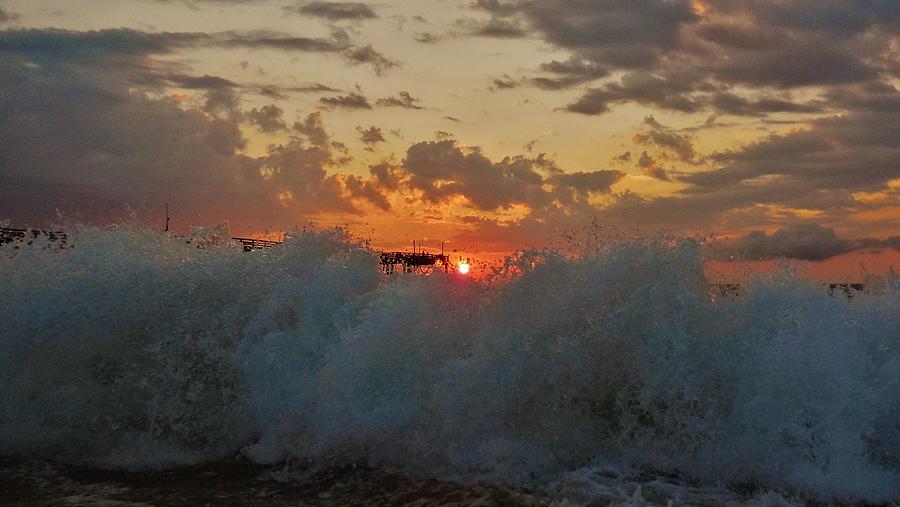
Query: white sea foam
pixel 135 349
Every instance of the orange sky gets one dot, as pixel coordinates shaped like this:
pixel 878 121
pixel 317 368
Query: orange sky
pixel 492 126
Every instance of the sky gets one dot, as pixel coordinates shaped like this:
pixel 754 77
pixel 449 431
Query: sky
pixel 772 126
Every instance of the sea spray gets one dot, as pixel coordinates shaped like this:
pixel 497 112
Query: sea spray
pixel 134 349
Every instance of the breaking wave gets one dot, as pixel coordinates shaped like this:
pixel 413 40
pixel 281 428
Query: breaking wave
pixel 133 349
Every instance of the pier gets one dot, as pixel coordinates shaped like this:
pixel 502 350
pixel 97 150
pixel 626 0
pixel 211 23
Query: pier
pixel 28 236
pixel 250 244
pixel 408 262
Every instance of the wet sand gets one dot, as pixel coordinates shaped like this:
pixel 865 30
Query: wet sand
pixel 26 482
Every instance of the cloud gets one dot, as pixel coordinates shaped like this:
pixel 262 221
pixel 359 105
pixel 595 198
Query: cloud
pixel 367 190
pixel 618 33
pixel 643 88
pixel 386 175
pixel 835 167
pixel 7 16
pixel 595 182
pixel 369 55
pixel 333 11
pixel 299 167
pixel 504 83
pixel 730 57
pixel 623 157
pixel 122 42
pixel 494 28
pixel 656 134
pixel 274 40
pixel 351 101
pixel 426 38
pixel 268 119
pixel 569 73
pixel 403 99
pixel 370 136
pixel 441 170
pixel 651 167
pixel 279 92
pixel 730 103
pixel 222 102
pixel 120 146
pixel 806 241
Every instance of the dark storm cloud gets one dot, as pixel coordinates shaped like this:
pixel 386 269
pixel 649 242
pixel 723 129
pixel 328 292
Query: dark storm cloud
pixel 116 147
pixel 351 101
pixel 811 62
pixel 839 17
pixel 334 11
pixel 620 33
pixel 727 57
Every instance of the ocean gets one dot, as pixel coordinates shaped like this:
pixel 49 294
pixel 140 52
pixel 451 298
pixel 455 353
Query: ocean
pixel 608 377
